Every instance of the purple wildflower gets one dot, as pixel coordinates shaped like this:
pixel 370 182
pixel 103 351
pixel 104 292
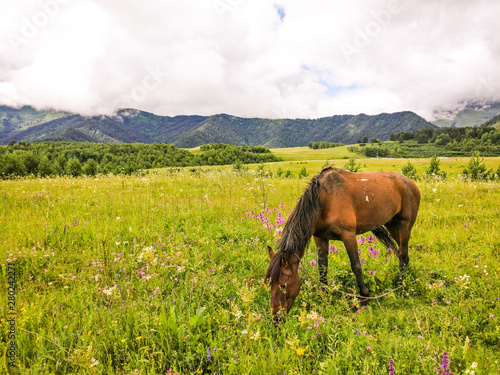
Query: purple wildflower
pixel 392 371
pixel 445 365
pixel 208 356
pixel 333 249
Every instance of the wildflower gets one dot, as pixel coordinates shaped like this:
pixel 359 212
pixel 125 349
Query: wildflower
pixel 312 263
pixel 301 351
pixel 138 338
pixel 445 365
pixel 208 354
pixel 256 335
pixel 244 332
pixel 368 348
pixel 333 249
pixel 392 371
pixel 94 362
pixel 123 341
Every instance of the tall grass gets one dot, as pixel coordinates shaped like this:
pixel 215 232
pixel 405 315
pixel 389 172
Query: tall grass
pixel 162 273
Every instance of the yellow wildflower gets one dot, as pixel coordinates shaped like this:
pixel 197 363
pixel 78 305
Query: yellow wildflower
pixel 301 351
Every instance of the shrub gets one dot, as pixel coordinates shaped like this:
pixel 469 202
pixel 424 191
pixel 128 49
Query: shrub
pixel 476 169
pixel 434 170
pixel 303 172
pixel 352 166
pixel 410 171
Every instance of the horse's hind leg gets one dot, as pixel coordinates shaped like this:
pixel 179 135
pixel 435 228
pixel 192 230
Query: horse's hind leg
pixel 351 245
pixel 400 230
pixel 322 245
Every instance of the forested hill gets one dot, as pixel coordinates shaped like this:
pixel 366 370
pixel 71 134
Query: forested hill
pixel 131 125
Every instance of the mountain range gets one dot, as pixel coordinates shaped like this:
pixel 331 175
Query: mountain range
pixel 131 125
pixel 467 114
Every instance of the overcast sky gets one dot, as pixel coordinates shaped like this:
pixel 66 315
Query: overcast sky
pixel 250 58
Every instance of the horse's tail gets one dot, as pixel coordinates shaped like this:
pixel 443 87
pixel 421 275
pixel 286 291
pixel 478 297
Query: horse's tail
pixel 384 236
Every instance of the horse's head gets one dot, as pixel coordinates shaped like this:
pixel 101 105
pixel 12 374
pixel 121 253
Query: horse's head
pixel 284 280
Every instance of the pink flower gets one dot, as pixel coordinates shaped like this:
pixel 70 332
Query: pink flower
pixel 312 263
pixel 368 348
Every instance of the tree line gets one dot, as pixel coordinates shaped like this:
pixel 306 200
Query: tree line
pixel 440 141
pixel 321 145
pixel 76 158
pixel 484 139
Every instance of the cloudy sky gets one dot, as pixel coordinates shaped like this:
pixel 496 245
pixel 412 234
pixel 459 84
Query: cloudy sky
pixel 251 58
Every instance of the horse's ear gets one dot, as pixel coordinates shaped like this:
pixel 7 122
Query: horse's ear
pixel 270 251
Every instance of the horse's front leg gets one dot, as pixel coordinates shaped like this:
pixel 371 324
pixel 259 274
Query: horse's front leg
pixel 351 245
pixel 322 246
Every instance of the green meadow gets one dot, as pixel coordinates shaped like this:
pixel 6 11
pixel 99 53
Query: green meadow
pixel 162 273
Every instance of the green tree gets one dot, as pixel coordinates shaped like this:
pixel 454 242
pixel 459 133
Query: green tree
pixel 352 166
pixel 90 168
pixel 476 169
pixel 13 165
pixel 60 165
pixel 237 165
pixel 410 171
pixel 434 168
pixel 74 168
pixel 45 167
pixel 31 161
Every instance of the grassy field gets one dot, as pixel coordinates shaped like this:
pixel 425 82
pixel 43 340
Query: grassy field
pixel 162 273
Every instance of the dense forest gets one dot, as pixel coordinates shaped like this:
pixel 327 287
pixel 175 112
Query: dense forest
pixel 75 159
pixel 442 142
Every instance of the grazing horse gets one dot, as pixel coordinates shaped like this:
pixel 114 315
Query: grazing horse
pixel 338 205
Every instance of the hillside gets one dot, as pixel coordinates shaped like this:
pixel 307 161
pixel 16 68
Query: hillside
pixel 131 125
pixel 494 122
pixel 473 114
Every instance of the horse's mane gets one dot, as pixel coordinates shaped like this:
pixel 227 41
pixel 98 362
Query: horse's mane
pixel 298 229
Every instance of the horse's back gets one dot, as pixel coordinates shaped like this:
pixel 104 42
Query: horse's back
pixel 369 198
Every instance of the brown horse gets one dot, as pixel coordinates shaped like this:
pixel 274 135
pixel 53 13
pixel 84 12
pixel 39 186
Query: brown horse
pixel 338 205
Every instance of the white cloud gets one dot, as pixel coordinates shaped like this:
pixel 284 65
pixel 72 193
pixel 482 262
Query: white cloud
pixel 249 58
